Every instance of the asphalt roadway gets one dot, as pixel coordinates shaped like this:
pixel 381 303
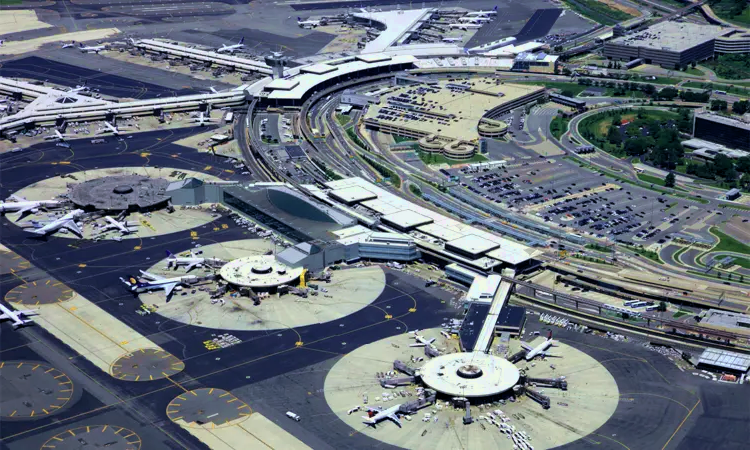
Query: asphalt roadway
pixel 36 68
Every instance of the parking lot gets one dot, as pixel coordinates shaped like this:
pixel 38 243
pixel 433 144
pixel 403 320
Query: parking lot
pixel 562 194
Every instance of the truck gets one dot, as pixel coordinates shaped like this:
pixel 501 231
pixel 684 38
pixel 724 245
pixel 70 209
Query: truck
pixel 292 416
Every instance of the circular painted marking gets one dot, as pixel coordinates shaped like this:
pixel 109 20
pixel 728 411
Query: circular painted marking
pixel 30 389
pixel 111 437
pixel 146 364
pixel 40 292
pixel 207 407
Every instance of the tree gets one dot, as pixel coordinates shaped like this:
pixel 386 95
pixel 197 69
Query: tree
pixel 723 165
pixel 745 181
pixel 669 180
pixel 662 306
pixel 718 105
pixel 668 93
pixel 740 107
pixel 613 135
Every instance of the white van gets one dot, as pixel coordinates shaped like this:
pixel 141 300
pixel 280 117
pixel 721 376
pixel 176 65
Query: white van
pixel 292 416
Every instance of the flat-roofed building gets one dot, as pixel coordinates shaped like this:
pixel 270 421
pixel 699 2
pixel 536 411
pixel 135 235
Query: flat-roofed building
pixel 732 132
pixel 724 361
pixel 668 44
pixel 362 243
pixel 471 245
pixel 406 220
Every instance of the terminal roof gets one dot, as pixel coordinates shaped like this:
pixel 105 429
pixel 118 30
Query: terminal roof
pixel 673 36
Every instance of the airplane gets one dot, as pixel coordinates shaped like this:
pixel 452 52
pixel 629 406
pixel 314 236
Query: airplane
pixel 77 89
pixel 17 316
pixel 309 23
pixel 88 49
pixel 191 262
pixel 481 13
pixel 111 128
pixel 541 349
pixel 474 19
pixel 25 207
pixel 452 39
pixel 465 26
pixel 57 136
pixel 203 119
pixel 156 282
pixel 69 44
pixel 118 224
pixel 421 340
pixel 68 221
pixel 231 48
pixel 381 414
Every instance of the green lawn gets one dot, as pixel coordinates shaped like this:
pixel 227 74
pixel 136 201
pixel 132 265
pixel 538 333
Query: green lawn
pixel 694 71
pixel 575 88
pixel 728 243
pixel 676 255
pixel 740 207
pixel 353 136
pixel 610 92
pixel 597 11
pixel 435 158
pixel 651 179
pixel 679 314
pixel 399 139
pixel 730 89
pixel 649 254
pixel 558 126
pixel 342 119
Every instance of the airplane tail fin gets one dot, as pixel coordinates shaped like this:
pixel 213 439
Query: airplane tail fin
pixel 170 254
pixel 549 336
pixel 242 41
pixel 495 8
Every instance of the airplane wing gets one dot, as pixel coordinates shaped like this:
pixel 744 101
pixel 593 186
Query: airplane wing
pixel 4 316
pixel 72 226
pixel 192 266
pixel 28 312
pixel 17 198
pixel 417 345
pixel 431 341
pixel 526 346
pixel 151 276
pixel 169 288
pixel 395 418
pixel 549 355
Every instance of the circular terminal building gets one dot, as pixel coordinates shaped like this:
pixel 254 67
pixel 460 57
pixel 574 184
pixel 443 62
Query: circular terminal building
pixel 121 193
pixel 470 375
pixel 262 272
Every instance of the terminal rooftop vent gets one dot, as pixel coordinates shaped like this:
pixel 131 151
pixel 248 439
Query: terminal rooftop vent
pixel 123 189
pixel 260 270
pixel 469 371
pixel 66 100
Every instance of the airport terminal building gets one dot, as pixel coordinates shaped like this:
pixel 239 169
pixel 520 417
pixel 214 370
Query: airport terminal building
pixel 732 132
pixel 669 44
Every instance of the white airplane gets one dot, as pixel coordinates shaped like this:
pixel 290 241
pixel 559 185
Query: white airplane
pixel 382 414
pixel 25 207
pixel 203 119
pixel 57 136
pixel 465 26
pixel 153 282
pixel 68 221
pixel 69 44
pixel 118 224
pixel 77 89
pixel 111 128
pixel 475 19
pixel 421 340
pixel 231 48
pixel 539 350
pixel 309 23
pixel 88 49
pixel 481 13
pixel 191 262
pixel 16 316
pixel 452 39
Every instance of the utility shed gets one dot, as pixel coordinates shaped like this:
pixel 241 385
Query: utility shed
pixel 724 361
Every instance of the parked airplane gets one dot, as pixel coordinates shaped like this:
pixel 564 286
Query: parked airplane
pixel 77 89
pixel 203 119
pixel 377 414
pixel 475 19
pixel 481 13
pixel 231 48
pixel 16 316
pixel 111 128
pixel 118 224
pixel 25 207
pixel 191 262
pixel 88 49
pixel 153 282
pixel 68 221
pixel 421 340
pixel 539 350
pixel 69 44
pixel 309 23
pixel 465 26
pixel 57 136
pixel 452 39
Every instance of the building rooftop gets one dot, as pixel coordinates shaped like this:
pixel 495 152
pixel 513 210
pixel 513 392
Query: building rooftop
pixel 471 375
pixel 450 109
pixel 724 359
pixel 352 194
pixel 673 36
pixel 735 121
pixel 263 271
pixel 473 245
pixel 406 219
pixel 396 23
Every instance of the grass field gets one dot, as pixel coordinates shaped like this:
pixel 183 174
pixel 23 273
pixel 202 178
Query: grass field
pixel 597 11
pixel 575 88
pixel 434 158
pixel 728 243
pixel 694 71
pixel 598 124
pixel 558 126
pixel 342 119
pixel 740 207
pixel 664 80
pixel 651 179
pixel 399 139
